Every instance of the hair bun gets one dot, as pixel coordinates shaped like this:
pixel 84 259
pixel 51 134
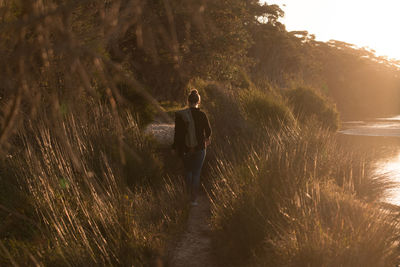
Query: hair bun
pixel 194 97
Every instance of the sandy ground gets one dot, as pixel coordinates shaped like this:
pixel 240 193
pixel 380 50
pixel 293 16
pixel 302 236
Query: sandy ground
pixel 194 247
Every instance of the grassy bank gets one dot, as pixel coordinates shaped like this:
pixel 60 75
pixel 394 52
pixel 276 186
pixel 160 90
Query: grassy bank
pixel 92 189
pixel 88 190
pixel 293 196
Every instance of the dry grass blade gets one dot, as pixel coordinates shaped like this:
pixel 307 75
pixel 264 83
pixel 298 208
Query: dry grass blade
pixel 13 262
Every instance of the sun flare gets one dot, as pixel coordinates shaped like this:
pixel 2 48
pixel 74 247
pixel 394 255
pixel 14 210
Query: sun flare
pixel 363 23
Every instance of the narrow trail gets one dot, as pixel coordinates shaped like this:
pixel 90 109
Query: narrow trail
pixel 194 247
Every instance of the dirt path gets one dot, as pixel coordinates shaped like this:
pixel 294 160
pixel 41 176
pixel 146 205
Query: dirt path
pixel 194 247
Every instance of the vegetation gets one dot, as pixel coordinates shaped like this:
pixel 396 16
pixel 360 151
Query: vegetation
pixel 299 200
pixel 78 208
pixel 82 183
pixel 308 105
pixel 265 109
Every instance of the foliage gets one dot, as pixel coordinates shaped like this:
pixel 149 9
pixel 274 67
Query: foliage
pixel 219 100
pixel 309 105
pixel 196 38
pixel 82 185
pixel 282 205
pixel 361 83
pixel 265 109
pixel 85 208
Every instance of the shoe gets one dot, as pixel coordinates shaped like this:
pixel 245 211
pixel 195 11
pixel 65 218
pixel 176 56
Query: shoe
pixel 194 203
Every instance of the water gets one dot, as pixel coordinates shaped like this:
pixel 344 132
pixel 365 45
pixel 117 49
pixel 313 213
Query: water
pixel 379 137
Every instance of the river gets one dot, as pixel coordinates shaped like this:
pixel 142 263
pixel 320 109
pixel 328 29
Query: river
pixel 379 137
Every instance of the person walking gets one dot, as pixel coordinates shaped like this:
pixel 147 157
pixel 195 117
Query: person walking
pixel 191 138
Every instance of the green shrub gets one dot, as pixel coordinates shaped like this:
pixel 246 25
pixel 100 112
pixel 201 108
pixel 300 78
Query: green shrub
pixel 265 109
pixel 308 105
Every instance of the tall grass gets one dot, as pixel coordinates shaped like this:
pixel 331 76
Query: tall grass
pixel 284 192
pixel 299 199
pixel 84 210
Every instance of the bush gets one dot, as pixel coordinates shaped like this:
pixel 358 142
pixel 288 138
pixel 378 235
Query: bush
pixel 308 105
pixel 265 109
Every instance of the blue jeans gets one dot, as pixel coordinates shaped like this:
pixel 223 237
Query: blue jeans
pixel 193 163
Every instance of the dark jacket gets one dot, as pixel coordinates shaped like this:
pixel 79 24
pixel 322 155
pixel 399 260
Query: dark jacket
pixel 202 129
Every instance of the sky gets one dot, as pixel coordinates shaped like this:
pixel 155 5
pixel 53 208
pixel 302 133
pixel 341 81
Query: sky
pixel 365 23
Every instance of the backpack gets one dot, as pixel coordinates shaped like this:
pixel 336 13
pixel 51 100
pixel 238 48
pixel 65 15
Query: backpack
pixel 190 130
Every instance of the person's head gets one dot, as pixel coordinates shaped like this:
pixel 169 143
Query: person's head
pixel 194 98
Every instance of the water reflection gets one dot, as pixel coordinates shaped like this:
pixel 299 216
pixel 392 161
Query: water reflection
pixel 391 168
pixel 376 127
pixel 379 137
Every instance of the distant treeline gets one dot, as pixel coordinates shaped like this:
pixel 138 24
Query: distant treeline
pixel 58 51
pixel 237 41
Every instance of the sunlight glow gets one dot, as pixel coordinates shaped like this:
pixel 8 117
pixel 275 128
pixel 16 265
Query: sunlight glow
pixel 391 168
pixel 365 23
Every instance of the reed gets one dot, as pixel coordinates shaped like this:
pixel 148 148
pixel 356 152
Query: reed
pixel 300 199
pixel 83 210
